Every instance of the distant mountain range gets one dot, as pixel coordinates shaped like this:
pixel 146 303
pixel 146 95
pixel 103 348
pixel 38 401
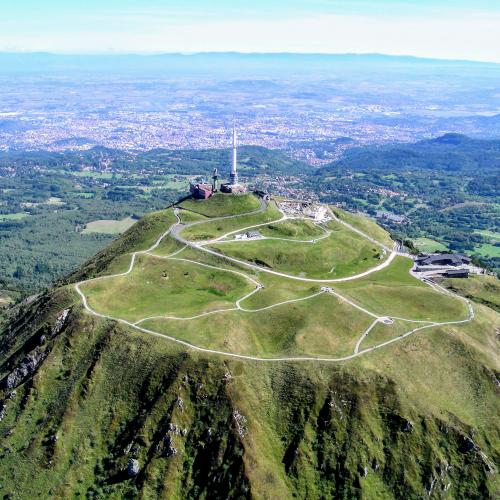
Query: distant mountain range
pixel 227 62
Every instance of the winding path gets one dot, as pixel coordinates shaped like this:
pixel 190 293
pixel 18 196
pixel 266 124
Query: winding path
pixel 175 230
pixel 179 227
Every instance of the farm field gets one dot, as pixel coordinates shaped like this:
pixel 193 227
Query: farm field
pixel 109 226
pixel 426 245
pixel 488 250
pixel 16 216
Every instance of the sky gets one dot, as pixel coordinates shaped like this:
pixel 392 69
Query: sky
pixel 448 29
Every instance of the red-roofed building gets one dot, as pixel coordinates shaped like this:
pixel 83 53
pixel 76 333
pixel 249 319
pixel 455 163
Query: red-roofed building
pixel 201 191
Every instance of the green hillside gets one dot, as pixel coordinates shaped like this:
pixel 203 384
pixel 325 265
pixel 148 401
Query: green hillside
pixel 222 204
pixel 163 369
pixel 342 253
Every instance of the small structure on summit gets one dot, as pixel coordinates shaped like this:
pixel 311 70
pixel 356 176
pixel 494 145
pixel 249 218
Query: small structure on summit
pixel 248 235
pixel 215 178
pixel 203 190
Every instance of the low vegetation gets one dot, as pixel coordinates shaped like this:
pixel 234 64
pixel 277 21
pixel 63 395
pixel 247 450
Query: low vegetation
pixel 393 292
pixel 215 229
pixel 159 287
pixel 343 253
pixel 293 229
pixel 109 226
pixel 415 418
pixel 222 204
pixel 480 289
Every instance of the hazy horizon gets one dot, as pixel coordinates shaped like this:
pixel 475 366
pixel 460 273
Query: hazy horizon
pixel 243 53
pixel 434 29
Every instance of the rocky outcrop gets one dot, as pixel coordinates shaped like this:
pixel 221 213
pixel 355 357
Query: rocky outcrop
pixel 133 467
pixel 240 422
pixel 60 323
pixel 30 363
pixel 25 368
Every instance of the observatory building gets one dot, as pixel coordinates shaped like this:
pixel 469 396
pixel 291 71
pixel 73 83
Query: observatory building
pixel 233 186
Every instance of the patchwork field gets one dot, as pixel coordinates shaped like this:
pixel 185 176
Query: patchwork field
pixel 16 216
pixel 427 245
pixel 488 250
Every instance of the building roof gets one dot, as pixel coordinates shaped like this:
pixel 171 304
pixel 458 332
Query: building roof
pixel 456 272
pixel 253 234
pixel 450 259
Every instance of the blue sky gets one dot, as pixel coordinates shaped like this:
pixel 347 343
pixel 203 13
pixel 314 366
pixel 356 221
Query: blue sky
pixel 429 28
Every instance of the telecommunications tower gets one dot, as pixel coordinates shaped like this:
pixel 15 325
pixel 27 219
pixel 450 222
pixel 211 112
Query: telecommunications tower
pixel 234 174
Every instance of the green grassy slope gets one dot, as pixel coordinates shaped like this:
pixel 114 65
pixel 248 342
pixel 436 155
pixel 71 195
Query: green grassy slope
pixel 393 292
pixel 365 224
pixel 165 287
pixel 320 327
pixel 386 425
pixel 114 257
pixel 293 229
pixel 214 229
pixel 343 253
pixel 222 204
pixel 81 397
pixel 481 289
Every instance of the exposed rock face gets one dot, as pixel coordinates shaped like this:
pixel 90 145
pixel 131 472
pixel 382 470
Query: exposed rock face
pixel 467 445
pixel 133 467
pixel 170 449
pixel 180 403
pixel 240 423
pixel 60 323
pixel 27 367
pixel 29 364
